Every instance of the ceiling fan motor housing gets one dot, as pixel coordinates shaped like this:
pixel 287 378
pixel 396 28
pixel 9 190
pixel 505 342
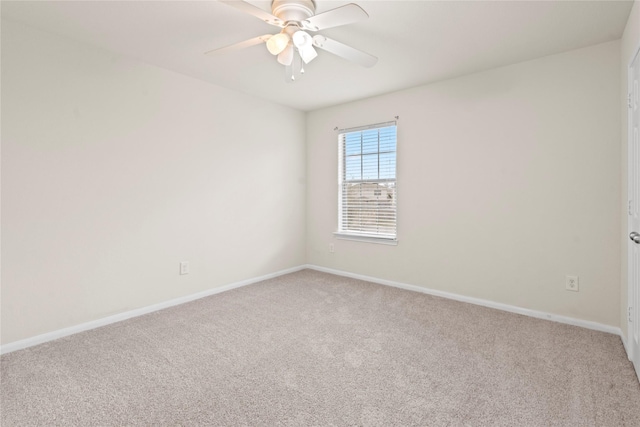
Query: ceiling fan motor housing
pixel 293 10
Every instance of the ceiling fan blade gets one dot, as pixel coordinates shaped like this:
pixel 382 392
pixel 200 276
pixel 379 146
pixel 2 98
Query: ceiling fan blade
pixel 255 11
pixel 237 46
pixel 342 15
pixel 343 51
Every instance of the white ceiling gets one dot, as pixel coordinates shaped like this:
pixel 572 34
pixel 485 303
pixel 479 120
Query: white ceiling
pixel 417 42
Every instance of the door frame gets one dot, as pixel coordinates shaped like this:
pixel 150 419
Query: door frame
pixel 629 346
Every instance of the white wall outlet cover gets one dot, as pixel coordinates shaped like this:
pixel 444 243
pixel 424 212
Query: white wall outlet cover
pixel 572 283
pixel 184 267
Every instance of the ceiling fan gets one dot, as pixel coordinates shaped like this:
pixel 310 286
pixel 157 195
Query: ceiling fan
pixel 294 45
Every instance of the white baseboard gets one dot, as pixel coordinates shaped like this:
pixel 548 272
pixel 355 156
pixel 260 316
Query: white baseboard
pixel 626 347
pixel 50 336
pixel 477 301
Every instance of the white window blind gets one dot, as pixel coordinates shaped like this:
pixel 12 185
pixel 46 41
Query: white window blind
pixel 367 181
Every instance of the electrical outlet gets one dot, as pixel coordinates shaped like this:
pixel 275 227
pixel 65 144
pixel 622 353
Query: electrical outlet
pixel 332 248
pixel 571 283
pixel 184 267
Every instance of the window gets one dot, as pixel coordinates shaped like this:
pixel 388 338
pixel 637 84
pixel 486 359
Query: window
pixel 367 183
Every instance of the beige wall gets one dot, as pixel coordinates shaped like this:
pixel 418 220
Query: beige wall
pixel 628 46
pixel 114 171
pixel 508 180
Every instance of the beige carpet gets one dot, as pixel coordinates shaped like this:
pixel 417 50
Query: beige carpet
pixel 309 349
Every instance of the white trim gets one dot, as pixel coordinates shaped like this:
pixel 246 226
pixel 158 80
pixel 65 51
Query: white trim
pixel 366 238
pixel 50 336
pixel 367 127
pixel 626 347
pixel 629 342
pixel 477 301
pixel 60 333
pixel 633 56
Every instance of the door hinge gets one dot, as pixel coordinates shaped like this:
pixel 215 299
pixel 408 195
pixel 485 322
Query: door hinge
pixel 629 103
pixel 630 310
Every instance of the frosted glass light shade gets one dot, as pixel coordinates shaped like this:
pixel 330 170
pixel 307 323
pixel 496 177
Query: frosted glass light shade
pixel 304 43
pixel 286 56
pixel 278 43
pixel 307 53
pixel 302 39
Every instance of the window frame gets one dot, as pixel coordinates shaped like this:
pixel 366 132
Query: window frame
pixel 342 233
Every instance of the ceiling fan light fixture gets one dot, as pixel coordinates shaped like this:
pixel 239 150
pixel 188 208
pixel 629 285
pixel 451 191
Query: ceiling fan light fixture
pixel 276 44
pixel 294 46
pixel 302 39
pixel 307 54
pixel 286 56
pixel 304 42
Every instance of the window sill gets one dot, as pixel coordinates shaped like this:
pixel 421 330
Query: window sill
pixel 393 241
